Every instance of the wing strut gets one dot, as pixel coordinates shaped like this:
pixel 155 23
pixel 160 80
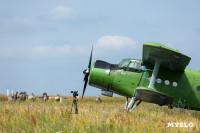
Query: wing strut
pixel 154 74
pixel 158 62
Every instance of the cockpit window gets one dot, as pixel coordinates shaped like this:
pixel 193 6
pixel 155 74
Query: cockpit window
pixel 131 65
pixel 134 65
pixel 123 63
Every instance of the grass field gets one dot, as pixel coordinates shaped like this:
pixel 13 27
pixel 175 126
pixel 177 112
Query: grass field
pixel 3 97
pixel 108 116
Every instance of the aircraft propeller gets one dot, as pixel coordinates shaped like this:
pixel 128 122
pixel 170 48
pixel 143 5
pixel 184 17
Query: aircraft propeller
pixel 86 72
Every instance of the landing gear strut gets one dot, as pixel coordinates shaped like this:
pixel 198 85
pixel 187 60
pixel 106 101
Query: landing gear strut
pixel 131 106
pixel 135 106
pixel 126 103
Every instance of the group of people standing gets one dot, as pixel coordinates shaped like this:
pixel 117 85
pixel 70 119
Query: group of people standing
pixel 45 97
pixel 22 96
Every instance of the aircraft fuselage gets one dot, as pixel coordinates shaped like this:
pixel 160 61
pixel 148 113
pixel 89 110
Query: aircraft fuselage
pixel 180 88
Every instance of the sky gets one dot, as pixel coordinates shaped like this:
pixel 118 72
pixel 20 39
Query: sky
pixel 45 44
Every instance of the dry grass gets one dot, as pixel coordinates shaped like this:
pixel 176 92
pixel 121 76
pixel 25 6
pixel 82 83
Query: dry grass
pixel 3 97
pixel 108 116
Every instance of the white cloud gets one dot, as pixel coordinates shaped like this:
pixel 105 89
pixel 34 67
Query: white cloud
pixel 16 24
pixel 115 43
pixel 105 44
pixel 45 51
pixel 60 13
pixel 59 51
pixel 22 21
pixel 6 52
pixel 51 51
pixel 38 51
pixel 11 52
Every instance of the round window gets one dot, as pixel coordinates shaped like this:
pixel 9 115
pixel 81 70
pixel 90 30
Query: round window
pixel 158 80
pixel 175 84
pixel 167 82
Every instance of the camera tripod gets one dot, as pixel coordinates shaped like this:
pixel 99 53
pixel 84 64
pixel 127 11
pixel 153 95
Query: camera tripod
pixel 74 103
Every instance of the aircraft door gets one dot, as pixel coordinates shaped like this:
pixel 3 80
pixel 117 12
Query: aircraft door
pixel 119 79
pixel 126 78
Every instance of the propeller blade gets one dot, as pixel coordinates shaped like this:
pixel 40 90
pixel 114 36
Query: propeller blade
pixel 86 76
pixel 85 85
pixel 89 65
pixel 87 73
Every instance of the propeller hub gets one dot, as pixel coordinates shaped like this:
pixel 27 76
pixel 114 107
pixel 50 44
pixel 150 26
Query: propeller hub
pixel 86 71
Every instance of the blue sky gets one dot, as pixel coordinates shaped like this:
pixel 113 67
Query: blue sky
pixel 45 45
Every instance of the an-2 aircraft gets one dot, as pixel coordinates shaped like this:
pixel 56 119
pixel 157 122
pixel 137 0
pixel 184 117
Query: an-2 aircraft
pixel 161 77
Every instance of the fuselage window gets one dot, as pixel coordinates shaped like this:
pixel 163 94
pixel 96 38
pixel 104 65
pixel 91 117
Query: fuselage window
pixel 198 88
pixel 158 80
pixel 175 84
pixel 167 82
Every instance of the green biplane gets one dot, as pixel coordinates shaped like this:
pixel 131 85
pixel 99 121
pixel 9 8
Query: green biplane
pixel 160 77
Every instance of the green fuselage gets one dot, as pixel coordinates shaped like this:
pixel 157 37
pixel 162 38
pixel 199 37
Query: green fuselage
pixel 181 86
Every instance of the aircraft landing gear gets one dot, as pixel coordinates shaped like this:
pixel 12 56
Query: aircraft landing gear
pixel 135 106
pixel 131 103
pixel 126 103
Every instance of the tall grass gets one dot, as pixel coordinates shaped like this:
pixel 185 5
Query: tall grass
pixel 108 116
pixel 3 97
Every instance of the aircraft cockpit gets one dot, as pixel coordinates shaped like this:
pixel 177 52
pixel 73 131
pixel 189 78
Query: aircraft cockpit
pixel 133 65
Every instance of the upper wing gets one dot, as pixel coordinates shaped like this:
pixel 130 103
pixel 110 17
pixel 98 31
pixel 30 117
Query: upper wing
pixel 173 59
